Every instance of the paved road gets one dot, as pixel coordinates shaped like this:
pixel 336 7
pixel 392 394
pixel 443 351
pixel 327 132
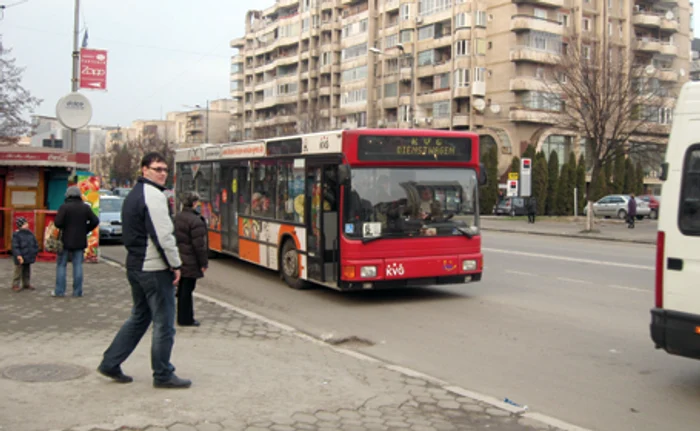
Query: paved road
pixel 558 324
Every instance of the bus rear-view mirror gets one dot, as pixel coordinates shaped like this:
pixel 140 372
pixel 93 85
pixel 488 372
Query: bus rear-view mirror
pixel 663 175
pixel 483 178
pixel 344 174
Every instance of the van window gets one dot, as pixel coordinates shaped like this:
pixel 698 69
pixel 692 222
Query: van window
pixel 689 211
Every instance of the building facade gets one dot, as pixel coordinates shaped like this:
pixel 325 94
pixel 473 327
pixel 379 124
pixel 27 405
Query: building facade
pixel 313 65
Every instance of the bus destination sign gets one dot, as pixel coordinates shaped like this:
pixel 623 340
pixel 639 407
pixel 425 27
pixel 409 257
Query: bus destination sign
pixel 414 148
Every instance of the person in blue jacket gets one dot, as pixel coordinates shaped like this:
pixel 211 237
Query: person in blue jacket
pixel 24 250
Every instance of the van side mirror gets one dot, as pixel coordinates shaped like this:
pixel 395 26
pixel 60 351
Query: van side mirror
pixel 344 175
pixel 663 175
pixel 483 178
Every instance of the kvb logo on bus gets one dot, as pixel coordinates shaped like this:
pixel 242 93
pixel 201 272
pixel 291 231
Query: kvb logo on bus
pixel 395 270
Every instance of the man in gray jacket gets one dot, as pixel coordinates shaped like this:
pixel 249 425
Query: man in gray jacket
pixel 153 269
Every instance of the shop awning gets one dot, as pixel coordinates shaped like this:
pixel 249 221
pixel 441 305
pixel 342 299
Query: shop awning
pixel 50 157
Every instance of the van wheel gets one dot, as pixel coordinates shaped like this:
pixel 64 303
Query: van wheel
pixel 622 214
pixel 653 215
pixel 290 266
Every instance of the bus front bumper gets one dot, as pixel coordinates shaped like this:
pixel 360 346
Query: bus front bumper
pixel 415 282
pixel 676 332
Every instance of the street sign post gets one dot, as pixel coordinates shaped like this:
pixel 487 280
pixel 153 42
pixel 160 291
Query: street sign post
pixel 526 177
pixel 93 69
pixel 512 190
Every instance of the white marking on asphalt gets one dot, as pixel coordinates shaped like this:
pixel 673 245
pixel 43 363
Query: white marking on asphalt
pixel 573 280
pixel 633 289
pixel 570 259
pixel 510 271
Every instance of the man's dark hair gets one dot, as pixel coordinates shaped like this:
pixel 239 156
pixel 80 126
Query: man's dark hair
pixel 151 158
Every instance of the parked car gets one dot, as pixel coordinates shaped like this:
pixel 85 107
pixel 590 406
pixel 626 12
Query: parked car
pixel 122 191
pixel 105 192
pixel 616 206
pixel 512 207
pixel 654 203
pixel 111 218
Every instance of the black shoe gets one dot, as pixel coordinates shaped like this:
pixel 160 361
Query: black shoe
pixel 194 323
pixel 173 383
pixel 118 376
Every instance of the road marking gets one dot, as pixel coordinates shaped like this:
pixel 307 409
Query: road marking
pixel 573 280
pixel 633 289
pixel 570 259
pixel 510 271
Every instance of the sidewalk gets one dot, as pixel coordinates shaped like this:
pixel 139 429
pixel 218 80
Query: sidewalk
pixel 248 373
pixel 608 230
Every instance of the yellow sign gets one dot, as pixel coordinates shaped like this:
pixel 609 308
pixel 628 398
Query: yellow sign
pixel 513 176
pixel 234 186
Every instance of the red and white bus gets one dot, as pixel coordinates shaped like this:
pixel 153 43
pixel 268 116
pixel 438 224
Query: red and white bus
pixel 350 209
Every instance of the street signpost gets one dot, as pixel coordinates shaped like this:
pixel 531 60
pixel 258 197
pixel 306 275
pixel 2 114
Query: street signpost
pixel 526 177
pixel 512 190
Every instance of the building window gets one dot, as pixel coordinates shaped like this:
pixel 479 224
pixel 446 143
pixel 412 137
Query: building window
pixel 462 20
pixel 391 41
pixel 542 101
pixel 354 51
pixel 354 74
pixel 426 58
pixel 610 29
pixel 586 24
pixel 540 13
pixel 326 58
pixel 544 41
pixel 479 74
pixel 442 81
pixel 462 78
pixel 563 19
pixel 586 51
pixel 404 113
pixel 429 7
pixel 406 36
pixel 405 12
pixel 354 96
pixel 462 47
pixel 560 144
pixel 441 109
pixel 427 32
pixel 391 89
pixel 481 46
pixel 480 18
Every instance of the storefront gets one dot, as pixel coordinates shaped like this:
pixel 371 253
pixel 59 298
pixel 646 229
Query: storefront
pixel 33 182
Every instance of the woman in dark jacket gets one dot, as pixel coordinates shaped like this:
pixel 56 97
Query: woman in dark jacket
pixel 191 235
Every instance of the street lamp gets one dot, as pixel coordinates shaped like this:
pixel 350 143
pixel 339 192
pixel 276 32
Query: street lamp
pixel 408 56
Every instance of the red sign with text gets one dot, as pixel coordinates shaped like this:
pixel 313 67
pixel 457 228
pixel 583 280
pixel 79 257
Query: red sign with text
pixel 93 69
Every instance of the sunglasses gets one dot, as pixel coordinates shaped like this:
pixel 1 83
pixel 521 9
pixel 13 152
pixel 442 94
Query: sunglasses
pixel 159 170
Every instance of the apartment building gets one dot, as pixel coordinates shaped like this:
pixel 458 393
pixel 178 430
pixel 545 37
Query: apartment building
pixel 313 65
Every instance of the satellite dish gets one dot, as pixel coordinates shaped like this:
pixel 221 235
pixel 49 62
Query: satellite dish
pixel 495 108
pixel 669 15
pixel 479 104
pixel 682 72
pixel 650 69
pixel 74 111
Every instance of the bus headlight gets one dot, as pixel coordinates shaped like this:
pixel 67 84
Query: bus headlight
pixel 468 265
pixel 368 272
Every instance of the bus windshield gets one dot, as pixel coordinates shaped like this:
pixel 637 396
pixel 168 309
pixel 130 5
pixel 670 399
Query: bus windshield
pixel 411 202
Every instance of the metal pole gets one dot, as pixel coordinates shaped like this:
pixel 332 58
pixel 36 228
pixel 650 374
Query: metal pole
pixel 575 201
pixel 76 61
pixel 413 91
pixel 207 122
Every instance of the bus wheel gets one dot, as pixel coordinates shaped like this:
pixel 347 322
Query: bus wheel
pixel 290 266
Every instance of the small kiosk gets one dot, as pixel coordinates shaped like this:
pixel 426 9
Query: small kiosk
pixel 33 182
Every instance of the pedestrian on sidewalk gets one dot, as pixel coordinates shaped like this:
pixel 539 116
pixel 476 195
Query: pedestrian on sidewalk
pixel 631 211
pixel 76 219
pixel 153 270
pixel 531 209
pixel 24 250
pixel 191 235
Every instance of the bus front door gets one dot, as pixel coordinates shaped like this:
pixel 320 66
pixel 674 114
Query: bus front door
pixel 229 209
pixel 322 224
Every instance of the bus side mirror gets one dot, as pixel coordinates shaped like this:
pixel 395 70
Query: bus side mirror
pixel 663 175
pixel 483 178
pixel 344 174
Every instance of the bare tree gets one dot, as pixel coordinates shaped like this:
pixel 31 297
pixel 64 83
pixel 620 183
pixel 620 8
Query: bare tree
pixel 15 100
pixel 609 96
pixel 125 159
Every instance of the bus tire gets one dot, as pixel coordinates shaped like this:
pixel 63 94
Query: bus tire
pixel 289 268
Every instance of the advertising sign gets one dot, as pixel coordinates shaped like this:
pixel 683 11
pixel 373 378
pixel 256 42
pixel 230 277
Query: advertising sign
pixel 89 186
pixel 93 69
pixel 525 177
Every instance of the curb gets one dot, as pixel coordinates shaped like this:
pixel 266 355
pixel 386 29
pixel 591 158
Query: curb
pixel 521 412
pixel 568 235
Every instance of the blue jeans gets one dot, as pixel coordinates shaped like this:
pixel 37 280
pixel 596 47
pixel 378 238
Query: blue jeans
pixel 61 263
pixel 153 294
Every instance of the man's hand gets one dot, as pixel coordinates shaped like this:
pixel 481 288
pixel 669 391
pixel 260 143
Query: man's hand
pixel 20 259
pixel 176 280
pixel 204 269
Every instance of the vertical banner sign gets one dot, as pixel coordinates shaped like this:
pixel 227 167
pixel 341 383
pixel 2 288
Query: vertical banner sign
pixel 525 177
pixel 93 69
pixel 89 186
pixel 512 188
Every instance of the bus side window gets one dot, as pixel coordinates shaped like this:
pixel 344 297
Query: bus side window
pixel 285 191
pixel 689 211
pixel 243 188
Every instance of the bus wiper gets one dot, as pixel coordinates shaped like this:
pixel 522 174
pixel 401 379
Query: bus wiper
pixel 374 238
pixel 465 232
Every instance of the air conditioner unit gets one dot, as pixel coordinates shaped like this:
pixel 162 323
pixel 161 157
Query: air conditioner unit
pixel 419 20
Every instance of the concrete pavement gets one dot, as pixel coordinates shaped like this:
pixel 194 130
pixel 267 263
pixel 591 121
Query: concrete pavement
pixel 249 373
pixel 607 230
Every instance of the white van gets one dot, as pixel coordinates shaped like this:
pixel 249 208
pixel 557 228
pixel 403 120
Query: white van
pixel 675 321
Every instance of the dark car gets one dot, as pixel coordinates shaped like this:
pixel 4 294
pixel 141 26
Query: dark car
pixel 512 207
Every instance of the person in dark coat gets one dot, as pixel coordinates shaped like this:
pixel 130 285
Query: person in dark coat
pixel 76 220
pixel 531 209
pixel 631 211
pixel 191 236
pixel 24 250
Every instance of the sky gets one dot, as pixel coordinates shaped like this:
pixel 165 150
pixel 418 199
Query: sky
pixel 163 55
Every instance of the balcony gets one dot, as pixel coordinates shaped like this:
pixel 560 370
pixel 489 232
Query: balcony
pixel 648 45
pixel 478 88
pixel 520 23
pixel 460 120
pixel 433 96
pixel 668 75
pixel 527 83
pixel 533 55
pixel 544 3
pixel 668 48
pixel 670 25
pixel 461 92
pixel 526 115
pixel 647 19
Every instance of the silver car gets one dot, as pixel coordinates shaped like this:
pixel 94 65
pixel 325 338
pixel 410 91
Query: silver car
pixel 616 206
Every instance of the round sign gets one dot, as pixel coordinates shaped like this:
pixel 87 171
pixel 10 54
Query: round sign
pixel 74 111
